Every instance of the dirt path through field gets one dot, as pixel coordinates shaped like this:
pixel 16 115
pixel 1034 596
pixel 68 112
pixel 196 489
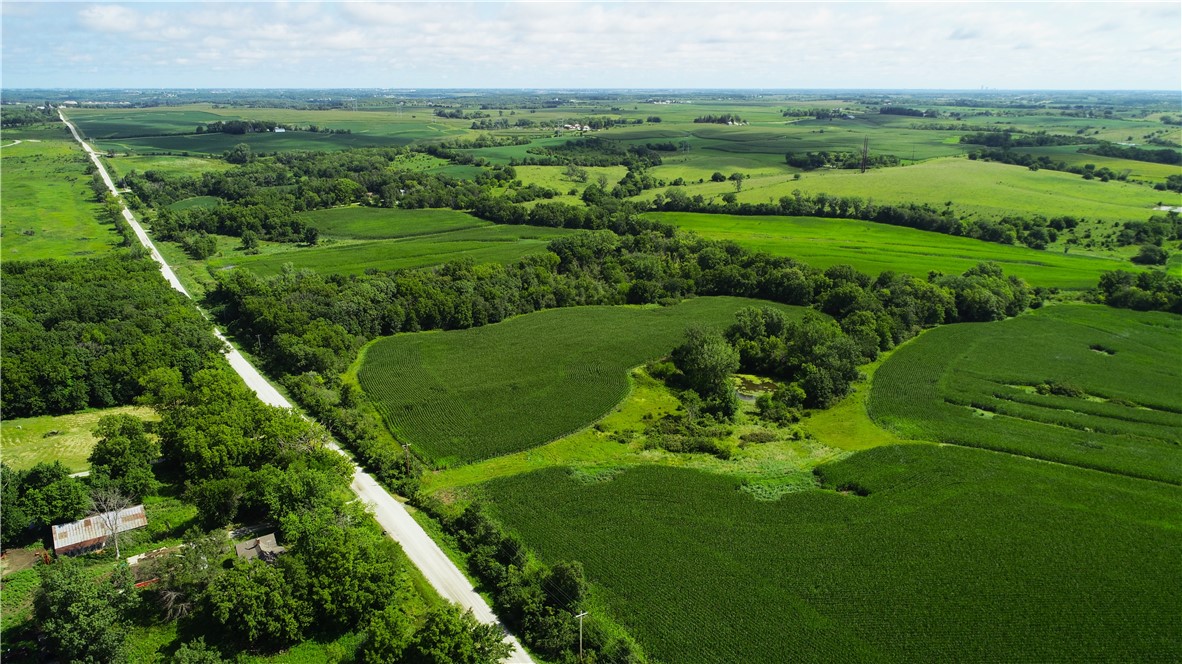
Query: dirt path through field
pixel 389 513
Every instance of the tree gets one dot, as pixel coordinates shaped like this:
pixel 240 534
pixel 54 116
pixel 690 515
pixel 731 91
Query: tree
pixel 250 240
pixel 256 604
pixel 84 620
pixel 124 455
pixel 717 177
pixel 197 652
pixel 389 635
pixel 576 173
pixel 707 361
pixel 737 180
pixel 451 637
pixel 108 503
pixel 1151 255
pixel 239 154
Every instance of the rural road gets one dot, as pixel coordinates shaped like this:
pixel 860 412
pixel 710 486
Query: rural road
pixel 390 514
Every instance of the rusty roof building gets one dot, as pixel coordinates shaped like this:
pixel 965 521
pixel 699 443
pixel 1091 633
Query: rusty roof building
pixel 265 548
pixel 91 533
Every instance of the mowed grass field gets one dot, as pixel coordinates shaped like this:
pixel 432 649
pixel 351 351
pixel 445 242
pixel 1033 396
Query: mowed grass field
pixel 46 203
pixel 466 395
pixel 27 441
pixel 167 165
pixel 874 248
pixel 356 239
pixel 951 554
pixel 976 385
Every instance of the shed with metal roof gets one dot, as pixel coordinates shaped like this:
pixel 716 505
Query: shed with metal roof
pixel 91 533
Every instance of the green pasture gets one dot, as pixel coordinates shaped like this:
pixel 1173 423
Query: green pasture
pixel 926 553
pixel 1117 408
pixel 167 165
pixel 1137 170
pixel 46 203
pixel 367 223
pixel 983 189
pixel 874 248
pixel 465 395
pixel 483 244
pixel 27 441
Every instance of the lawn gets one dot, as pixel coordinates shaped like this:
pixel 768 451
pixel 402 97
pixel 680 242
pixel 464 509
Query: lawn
pixel 928 554
pixel 1116 402
pixel 466 395
pixel 874 248
pixel 46 202
pixel 67 438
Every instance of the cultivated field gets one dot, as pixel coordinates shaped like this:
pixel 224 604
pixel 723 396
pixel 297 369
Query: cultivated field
pixel 1084 385
pixel 46 203
pixel 466 395
pixel 954 554
pixel 874 248
pixel 483 243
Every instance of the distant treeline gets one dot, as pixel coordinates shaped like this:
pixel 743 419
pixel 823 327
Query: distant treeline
pixel 814 160
pixel 1007 139
pixel 1171 157
pixel 20 116
pixel 911 112
pixel 725 118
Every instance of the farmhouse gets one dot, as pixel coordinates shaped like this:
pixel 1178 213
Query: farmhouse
pixel 264 548
pixel 280 130
pixel 91 533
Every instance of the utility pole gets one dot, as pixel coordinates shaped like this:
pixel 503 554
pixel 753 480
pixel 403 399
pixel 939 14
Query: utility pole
pixel 406 447
pixel 865 153
pixel 580 617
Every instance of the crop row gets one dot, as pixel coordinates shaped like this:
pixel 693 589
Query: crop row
pixel 954 554
pixel 976 385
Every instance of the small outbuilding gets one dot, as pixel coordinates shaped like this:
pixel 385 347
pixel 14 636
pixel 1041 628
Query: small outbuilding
pixel 265 548
pixel 91 533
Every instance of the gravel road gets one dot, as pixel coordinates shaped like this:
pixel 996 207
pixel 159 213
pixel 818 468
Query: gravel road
pixel 440 571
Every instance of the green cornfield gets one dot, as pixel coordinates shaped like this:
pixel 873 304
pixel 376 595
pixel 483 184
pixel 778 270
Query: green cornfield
pixel 1110 396
pixel 926 554
pixel 472 394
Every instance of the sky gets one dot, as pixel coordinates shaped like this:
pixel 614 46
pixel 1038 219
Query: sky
pixel 780 45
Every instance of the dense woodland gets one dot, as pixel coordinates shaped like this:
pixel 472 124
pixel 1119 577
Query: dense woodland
pixel 84 333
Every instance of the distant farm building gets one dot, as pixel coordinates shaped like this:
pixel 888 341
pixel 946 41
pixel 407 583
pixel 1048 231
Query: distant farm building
pixel 91 533
pixel 265 548
pixel 279 130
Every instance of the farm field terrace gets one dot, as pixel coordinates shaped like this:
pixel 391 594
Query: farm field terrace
pixel 873 248
pixel 1110 395
pixel 926 554
pixel 466 395
pixel 46 202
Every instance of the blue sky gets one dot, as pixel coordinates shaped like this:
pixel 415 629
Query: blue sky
pixel 1019 45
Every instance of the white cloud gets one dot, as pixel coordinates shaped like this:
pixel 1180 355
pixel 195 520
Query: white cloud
pixel 634 44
